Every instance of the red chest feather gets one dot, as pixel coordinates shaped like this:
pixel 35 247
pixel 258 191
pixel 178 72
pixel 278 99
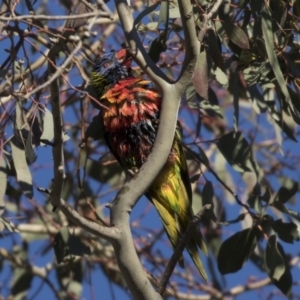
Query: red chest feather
pixel 129 101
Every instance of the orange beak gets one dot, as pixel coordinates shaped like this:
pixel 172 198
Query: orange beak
pixel 124 57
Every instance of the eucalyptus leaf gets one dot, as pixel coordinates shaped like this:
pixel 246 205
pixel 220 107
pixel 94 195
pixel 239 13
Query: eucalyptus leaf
pixel 66 244
pixel 255 203
pixel 21 283
pixel 288 232
pixel 48 126
pixel 235 251
pixel 3 73
pixel 277 267
pixel 23 173
pixel 274 262
pixel 221 77
pixel 236 35
pixel 235 149
pixel 281 207
pixel 266 196
pixel 270 47
pixel 214 48
pixel 207 198
pixel 285 193
pixel 157 46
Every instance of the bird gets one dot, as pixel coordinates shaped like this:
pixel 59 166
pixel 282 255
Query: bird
pixel 129 118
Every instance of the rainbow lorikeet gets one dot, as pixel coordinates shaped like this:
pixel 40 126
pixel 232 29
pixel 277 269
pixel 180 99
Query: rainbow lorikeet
pixel 130 121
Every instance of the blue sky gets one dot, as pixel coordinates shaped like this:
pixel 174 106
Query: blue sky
pixel 98 287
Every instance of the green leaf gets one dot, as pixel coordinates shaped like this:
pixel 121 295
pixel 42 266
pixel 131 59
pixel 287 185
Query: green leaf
pixel 157 46
pixel 3 183
pixel 21 277
pixel 105 173
pixel 152 26
pixel 279 13
pixel 221 77
pixel 277 266
pixel 23 173
pixel 66 244
pixel 212 109
pixel 281 207
pixel 235 149
pixel 77 247
pixel 214 48
pixel 95 130
pixel 236 35
pixel 174 13
pixel 3 73
pixel 274 262
pixel 29 152
pixel 285 193
pixel 48 129
pixel 21 283
pixel 257 99
pixel 235 251
pixel 74 287
pixel 48 126
pixel 207 198
pixel 266 196
pixel 255 203
pixel 295 98
pixel 266 23
pixel 280 122
pixel 287 232
pixel 70 278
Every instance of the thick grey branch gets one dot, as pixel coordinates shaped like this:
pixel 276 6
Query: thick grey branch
pixel 136 46
pixel 192 47
pixel 134 189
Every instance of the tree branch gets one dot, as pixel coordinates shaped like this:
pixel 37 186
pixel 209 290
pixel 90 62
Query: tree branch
pixel 136 47
pixel 58 155
pixel 131 192
pixel 96 13
pixel 192 45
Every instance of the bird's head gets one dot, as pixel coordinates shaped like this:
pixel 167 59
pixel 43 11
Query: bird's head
pixel 109 69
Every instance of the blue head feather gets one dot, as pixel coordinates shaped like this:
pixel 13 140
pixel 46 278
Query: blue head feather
pixel 108 71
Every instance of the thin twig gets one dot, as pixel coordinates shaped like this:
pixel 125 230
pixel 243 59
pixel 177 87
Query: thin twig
pixel 206 18
pixel 97 13
pixel 58 151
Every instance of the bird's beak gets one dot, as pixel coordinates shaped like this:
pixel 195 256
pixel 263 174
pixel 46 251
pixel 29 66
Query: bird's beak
pixel 124 57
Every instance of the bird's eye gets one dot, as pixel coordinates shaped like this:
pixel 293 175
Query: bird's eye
pixel 107 64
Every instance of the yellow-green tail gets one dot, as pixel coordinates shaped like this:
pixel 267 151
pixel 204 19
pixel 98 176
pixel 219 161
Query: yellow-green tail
pixel 171 195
